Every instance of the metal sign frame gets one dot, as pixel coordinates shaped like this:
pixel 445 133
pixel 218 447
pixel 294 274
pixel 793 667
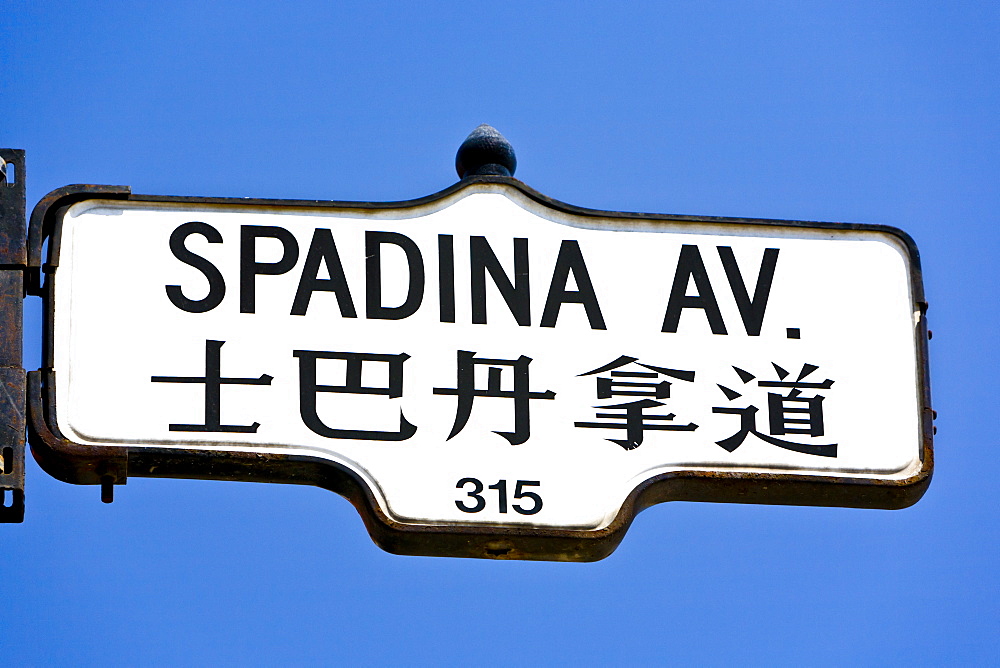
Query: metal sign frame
pixel 113 465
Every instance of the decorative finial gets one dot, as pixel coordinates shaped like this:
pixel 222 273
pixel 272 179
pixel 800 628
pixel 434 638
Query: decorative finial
pixel 485 151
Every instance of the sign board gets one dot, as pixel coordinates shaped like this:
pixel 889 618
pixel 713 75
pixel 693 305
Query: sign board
pixel 483 372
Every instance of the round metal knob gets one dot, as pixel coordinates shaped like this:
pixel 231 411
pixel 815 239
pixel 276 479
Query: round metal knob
pixel 485 152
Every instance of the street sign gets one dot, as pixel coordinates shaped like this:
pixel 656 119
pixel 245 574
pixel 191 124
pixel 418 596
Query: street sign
pixel 485 371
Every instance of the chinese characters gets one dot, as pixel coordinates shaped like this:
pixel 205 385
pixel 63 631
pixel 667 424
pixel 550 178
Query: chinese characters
pixel 635 395
pixel 631 415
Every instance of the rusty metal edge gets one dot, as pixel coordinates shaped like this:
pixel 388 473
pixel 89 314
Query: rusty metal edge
pixel 42 219
pixel 83 464
pixel 12 379
pixel 61 458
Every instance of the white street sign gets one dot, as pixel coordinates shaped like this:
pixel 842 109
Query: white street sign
pixel 487 357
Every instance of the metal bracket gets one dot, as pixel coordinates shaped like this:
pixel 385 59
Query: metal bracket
pixel 13 261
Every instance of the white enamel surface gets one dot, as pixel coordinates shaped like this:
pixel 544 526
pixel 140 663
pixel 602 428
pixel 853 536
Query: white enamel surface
pixel 848 292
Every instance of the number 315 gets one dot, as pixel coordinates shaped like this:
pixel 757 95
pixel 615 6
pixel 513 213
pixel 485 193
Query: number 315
pixel 501 488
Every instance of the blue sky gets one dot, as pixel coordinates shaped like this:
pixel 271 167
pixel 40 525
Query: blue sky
pixel 840 111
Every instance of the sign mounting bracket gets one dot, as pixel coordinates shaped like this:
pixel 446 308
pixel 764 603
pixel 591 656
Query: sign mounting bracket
pixel 13 258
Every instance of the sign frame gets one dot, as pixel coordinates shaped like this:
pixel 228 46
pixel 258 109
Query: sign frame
pixel 113 465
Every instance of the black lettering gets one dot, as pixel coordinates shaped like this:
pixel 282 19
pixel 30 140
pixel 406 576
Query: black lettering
pixel 213 382
pixel 690 265
pixel 309 388
pixel 477 488
pixel 322 248
pixel 446 276
pixel 250 268
pixel 373 276
pixel 752 311
pixel 501 488
pixel 517 295
pixel 519 493
pixel 216 284
pixel 570 259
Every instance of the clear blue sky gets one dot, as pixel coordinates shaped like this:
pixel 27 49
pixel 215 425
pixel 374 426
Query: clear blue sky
pixel 877 112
